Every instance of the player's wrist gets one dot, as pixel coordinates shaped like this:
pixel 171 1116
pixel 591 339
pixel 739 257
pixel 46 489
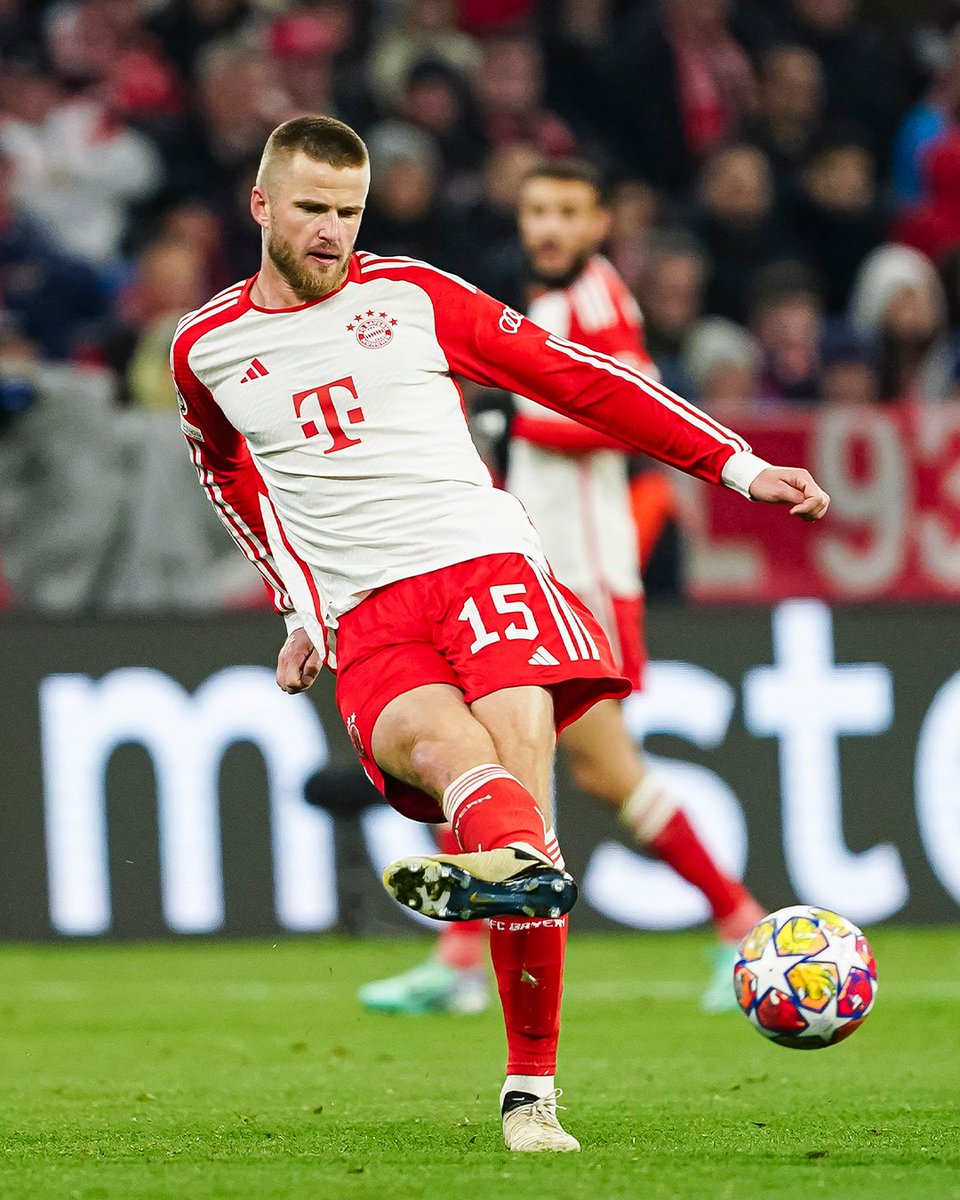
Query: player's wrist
pixel 293 621
pixel 741 469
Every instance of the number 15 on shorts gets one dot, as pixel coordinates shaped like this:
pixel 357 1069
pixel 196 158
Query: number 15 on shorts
pixel 503 602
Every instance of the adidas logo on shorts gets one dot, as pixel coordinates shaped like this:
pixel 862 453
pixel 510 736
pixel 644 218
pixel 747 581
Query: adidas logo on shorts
pixel 542 657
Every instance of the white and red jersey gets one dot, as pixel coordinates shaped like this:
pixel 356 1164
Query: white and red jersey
pixel 331 436
pixel 572 480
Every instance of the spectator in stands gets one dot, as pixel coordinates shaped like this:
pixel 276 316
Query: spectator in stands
pixel 850 367
pixel 105 44
pixel 489 221
pixel 51 297
pixel 187 27
pixel 421 29
pixel 77 167
pixel 898 298
pixel 737 226
pixel 169 283
pixel 790 114
pixel 932 117
pixel 671 299
pixel 723 361
pixel 509 85
pixel 240 98
pixel 932 225
pixel 787 321
pixel 634 214
pixel 574 36
pixel 405 213
pixel 309 46
pixel 197 225
pixel 837 216
pixel 863 74
pixel 680 85
pixel 437 99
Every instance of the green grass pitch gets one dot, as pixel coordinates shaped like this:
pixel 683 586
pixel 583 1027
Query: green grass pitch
pixel 247 1070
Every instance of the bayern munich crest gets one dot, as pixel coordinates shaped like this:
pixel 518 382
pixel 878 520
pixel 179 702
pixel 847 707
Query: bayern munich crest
pixel 373 330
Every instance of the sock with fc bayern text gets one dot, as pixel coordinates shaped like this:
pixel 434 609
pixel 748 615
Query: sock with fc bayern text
pixel 659 823
pixel 528 962
pixel 462 944
pixel 489 809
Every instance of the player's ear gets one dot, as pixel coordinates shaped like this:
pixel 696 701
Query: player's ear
pixel 604 223
pixel 260 206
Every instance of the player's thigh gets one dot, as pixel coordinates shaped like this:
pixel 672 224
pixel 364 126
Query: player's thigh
pixel 521 723
pixel 603 758
pixel 427 737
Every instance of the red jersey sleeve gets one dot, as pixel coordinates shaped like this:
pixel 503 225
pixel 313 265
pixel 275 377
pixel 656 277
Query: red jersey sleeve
pixel 225 469
pixel 496 346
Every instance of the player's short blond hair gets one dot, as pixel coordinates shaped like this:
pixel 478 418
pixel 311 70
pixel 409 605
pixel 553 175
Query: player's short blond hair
pixel 324 139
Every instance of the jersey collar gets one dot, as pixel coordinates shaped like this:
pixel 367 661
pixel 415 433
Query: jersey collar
pixel 352 276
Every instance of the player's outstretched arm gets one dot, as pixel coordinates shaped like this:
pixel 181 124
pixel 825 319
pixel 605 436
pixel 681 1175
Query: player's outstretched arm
pixel 793 486
pixel 498 347
pixel 298 663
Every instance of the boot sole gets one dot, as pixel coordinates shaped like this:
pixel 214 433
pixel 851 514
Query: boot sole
pixel 446 892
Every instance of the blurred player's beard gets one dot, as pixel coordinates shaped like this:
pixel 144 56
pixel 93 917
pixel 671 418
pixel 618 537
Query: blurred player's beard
pixel 556 279
pixel 306 284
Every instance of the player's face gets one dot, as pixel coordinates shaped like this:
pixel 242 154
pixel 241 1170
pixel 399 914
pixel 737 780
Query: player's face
pixel 310 213
pixel 561 224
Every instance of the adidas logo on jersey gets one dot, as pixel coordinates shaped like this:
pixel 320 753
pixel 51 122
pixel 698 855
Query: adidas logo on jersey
pixel 256 370
pixel 542 657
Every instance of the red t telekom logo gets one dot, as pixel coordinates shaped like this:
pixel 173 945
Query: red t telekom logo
pixel 331 418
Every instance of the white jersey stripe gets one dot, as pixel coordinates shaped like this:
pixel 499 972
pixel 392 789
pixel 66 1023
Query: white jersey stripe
pixel 204 314
pixel 668 399
pixel 557 617
pixel 582 638
pixel 574 618
pixel 394 264
pixel 232 293
pixel 235 527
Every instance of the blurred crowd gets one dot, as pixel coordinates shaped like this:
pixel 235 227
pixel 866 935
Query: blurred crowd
pixel 784 174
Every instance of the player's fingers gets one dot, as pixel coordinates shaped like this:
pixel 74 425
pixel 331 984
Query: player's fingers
pixel 310 669
pixel 815 502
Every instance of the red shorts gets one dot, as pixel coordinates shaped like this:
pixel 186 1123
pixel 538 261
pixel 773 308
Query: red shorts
pixel 626 637
pixel 489 623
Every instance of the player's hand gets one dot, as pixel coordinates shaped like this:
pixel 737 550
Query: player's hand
pixel 793 486
pixel 298 663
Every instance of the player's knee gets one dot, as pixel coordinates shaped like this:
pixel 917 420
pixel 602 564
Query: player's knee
pixel 436 759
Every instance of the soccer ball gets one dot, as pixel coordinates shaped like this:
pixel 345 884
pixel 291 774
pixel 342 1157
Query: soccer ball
pixel 806 977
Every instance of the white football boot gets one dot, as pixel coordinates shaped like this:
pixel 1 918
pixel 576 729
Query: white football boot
pixel 530 1123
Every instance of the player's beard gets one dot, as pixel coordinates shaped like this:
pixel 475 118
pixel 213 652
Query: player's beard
pixel 556 279
pixel 305 284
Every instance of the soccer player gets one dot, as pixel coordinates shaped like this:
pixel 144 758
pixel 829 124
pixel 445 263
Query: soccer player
pixel 572 481
pixel 318 402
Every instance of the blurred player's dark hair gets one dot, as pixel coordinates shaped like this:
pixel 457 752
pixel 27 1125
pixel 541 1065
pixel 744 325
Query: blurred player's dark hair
pixel 571 170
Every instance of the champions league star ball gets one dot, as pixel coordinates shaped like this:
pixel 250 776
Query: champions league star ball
pixel 806 977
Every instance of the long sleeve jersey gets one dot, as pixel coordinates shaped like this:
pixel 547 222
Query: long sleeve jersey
pixel 331 437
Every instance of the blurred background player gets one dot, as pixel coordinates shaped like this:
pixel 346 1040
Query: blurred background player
pixel 574 484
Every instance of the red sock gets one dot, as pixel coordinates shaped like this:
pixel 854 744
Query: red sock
pixel 528 961
pixel 488 809
pixel 462 944
pixel 678 845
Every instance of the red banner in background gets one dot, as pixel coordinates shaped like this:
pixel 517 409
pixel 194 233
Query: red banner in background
pixel 893 531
